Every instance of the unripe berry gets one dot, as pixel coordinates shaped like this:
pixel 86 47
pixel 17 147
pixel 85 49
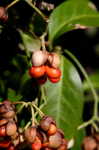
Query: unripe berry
pixel 11 128
pixel 53 72
pixel 55 140
pixel 54 60
pixel 37 72
pixel 52 129
pixel 45 122
pixel 30 134
pixel 39 58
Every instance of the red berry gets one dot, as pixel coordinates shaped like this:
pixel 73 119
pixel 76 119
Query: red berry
pixel 37 72
pixel 52 129
pixel 2 131
pixel 54 80
pixel 36 144
pixel 53 72
pixel 11 147
pixel 4 144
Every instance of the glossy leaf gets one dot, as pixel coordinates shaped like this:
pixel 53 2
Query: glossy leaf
pixel 70 14
pixel 65 100
pixel 30 43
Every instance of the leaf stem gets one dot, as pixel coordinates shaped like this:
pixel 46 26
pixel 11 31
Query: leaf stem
pixel 37 10
pixel 10 5
pixel 95 96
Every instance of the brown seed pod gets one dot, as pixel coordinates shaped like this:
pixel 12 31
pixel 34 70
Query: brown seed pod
pixel 39 57
pixel 30 134
pixel 63 146
pixel 52 129
pixel 45 122
pixel 9 114
pixel 54 60
pixel 11 128
pixel 3 14
pixel 42 136
pixel 89 143
pixel 3 121
pixel 55 140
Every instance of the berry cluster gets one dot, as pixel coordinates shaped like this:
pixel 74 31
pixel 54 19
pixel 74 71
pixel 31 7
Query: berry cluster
pixel 91 142
pixel 46 136
pixel 42 136
pixel 8 127
pixel 3 14
pixel 45 65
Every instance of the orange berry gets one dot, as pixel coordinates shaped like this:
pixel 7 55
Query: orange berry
pixel 52 129
pixel 37 72
pixel 54 80
pixel 36 145
pixel 53 72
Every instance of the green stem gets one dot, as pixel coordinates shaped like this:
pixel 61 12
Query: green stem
pixel 37 10
pixel 33 119
pixel 13 3
pixel 40 112
pixel 88 81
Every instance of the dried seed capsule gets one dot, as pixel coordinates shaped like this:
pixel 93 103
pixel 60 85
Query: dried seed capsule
pixel 45 122
pixel 30 134
pixel 11 128
pixel 55 140
pixel 39 57
pixel 54 60
pixel 9 114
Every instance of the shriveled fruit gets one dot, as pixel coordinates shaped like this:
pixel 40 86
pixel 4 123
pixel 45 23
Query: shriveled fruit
pixel 39 57
pixel 37 72
pixel 45 122
pixel 11 128
pixel 55 140
pixel 53 72
pixel 9 114
pixel 63 146
pixel 30 134
pixel 52 129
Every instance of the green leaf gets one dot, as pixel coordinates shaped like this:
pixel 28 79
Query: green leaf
pixel 30 43
pixel 71 13
pixel 65 100
pixel 12 96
